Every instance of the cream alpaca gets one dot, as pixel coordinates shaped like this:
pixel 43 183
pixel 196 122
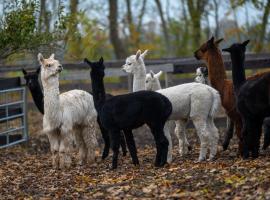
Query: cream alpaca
pixel 66 116
pixel 194 101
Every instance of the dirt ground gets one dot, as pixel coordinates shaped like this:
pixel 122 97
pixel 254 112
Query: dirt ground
pixel 26 173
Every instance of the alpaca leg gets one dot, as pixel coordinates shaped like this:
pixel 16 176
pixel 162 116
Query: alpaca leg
pixel 200 125
pixel 115 140
pixel 123 144
pixel 64 149
pixel 90 140
pixel 80 145
pixel 266 125
pixel 161 145
pixel 131 146
pixel 213 139
pixel 256 132
pixel 228 134
pixel 106 138
pixel 54 141
pixel 240 131
pixel 169 138
pixel 181 136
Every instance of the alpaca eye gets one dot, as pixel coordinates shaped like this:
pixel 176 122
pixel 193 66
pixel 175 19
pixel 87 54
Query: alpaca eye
pixel 129 63
pixel 48 65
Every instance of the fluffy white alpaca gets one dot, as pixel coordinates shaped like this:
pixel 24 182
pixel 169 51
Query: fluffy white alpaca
pixel 152 83
pixel 201 75
pixel 194 101
pixel 68 116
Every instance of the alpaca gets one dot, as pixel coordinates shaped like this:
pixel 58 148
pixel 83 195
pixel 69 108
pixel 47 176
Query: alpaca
pixel 152 83
pixel 32 83
pixel 252 98
pixel 67 115
pixel 194 101
pixel 37 94
pixel 202 77
pixel 129 111
pixel 210 53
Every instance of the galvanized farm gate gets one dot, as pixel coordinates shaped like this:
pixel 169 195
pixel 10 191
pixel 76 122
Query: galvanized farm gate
pixel 13 112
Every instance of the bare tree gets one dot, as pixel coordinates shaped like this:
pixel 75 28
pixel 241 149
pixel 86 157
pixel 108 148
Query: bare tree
pixel 120 51
pixel 216 9
pixel 196 10
pixel 164 26
pixel 43 20
pixel 260 42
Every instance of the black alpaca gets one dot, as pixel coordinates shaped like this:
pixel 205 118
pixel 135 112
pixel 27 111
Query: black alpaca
pixel 253 101
pixel 130 111
pixel 33 84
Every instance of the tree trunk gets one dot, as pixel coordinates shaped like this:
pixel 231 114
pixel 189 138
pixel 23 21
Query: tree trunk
pixel 260 42
pixel 131 27
pixel 120 51
pixel 196 10
pixel 41 14
pixel 164 26
pixel 141 16
pixel 216 8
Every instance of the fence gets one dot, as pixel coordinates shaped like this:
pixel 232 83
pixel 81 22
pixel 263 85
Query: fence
pixel 13 112
pixel 79 71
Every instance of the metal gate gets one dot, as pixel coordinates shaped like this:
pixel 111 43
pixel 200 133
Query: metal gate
pixel 13 112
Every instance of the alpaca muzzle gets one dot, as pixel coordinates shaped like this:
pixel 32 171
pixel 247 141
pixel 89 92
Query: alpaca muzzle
pixel 59 69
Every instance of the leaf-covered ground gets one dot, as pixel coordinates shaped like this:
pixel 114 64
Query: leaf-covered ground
pixel 26 173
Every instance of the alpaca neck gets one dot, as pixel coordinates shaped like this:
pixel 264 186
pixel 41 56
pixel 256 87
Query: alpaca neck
pixel 37 95
pixel 216 70
pixel 238 70
pixel 98 92
pixel 52 109
pixel 139 79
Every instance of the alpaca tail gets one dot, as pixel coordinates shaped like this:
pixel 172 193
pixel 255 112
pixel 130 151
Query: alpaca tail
pixel 216 103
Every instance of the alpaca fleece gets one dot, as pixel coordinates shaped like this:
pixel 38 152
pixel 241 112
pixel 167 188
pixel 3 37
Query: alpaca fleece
pixel 252 98
pixel 130 111
pixel 194 101
pixel 66 116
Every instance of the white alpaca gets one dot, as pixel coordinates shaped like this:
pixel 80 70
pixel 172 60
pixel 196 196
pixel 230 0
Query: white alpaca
pixel 68 116
pixel 194 101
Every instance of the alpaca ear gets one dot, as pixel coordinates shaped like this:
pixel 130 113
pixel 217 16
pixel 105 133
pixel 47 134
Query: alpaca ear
pixel 101 60
pixel 24 71
pixel 245 43
pixel 152 74
pixel 138 54
pixel 158 74
pixel 227 49
pixel 144 54
pixel 52 56
pixel 38 70
pixel 218 41
pixel 40 59
pixel 210 42
pixel 87 61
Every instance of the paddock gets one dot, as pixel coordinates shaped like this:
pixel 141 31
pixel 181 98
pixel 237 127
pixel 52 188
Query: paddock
pixel 26 171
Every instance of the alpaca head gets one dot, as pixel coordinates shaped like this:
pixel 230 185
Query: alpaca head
pixel 152 81
pixel 135 63
pixel 237 49
pixel 50 68
pixel 31 78
pixel 201 75
pixel 203 52
pixel 97 68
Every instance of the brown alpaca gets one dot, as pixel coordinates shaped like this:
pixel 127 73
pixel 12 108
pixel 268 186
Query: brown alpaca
pixel 210 53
